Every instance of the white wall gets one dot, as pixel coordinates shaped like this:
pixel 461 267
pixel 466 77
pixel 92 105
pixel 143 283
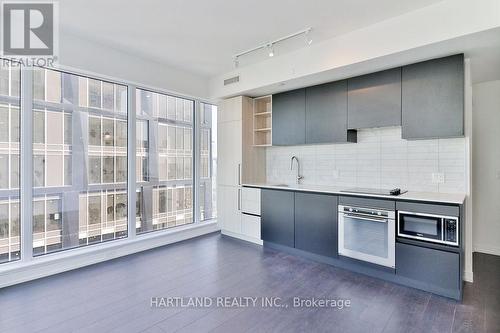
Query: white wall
pixel 380 159
pixel 81 54
pixel 486 167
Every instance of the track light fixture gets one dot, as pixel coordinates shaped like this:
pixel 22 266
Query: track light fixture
pixel 270 45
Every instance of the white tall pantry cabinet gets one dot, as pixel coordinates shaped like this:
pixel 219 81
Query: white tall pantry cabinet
pixel 238 162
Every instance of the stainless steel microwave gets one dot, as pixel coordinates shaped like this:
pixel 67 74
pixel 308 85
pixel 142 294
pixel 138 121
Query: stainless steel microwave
pixel 429 227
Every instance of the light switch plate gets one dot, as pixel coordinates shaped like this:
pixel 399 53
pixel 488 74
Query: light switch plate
pixel 438 178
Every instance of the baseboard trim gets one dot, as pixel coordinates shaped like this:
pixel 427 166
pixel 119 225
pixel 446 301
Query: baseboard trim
pixel 468 276
pixel 18 272
pixel 494 250
pixel 242 237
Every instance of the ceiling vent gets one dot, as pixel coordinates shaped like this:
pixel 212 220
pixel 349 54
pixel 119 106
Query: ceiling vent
pixel 232 80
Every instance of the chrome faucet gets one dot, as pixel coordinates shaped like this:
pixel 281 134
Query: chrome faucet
pixel 299 177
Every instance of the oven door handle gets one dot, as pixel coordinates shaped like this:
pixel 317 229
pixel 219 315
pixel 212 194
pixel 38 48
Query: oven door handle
pixel 366 218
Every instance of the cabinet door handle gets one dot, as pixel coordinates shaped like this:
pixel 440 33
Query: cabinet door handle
pixel 239 199
pixel 239 174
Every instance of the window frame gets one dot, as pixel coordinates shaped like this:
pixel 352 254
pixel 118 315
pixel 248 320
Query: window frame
pixel 207 126
pixel 10 151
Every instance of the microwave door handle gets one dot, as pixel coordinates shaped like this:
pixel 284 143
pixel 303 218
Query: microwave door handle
pixel 366 218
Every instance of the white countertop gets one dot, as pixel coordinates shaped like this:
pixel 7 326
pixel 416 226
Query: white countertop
pixel 450 198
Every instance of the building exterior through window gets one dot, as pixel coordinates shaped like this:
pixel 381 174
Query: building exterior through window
pixel 164 161
pixel 79 161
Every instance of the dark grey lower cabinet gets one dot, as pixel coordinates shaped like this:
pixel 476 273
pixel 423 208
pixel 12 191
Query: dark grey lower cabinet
pixel 316 223
pixel 440 270
pixel 277 217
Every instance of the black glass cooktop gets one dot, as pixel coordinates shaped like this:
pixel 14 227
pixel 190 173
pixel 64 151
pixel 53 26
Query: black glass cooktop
pixel 374 191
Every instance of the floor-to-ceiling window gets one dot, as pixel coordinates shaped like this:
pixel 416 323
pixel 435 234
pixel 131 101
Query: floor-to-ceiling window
pixel 208 161
pixel 79 154
pixel 10 86
pixel 164 161
pixel 79 161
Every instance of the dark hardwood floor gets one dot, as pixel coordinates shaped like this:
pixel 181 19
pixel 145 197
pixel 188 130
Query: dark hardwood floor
pixel 115 296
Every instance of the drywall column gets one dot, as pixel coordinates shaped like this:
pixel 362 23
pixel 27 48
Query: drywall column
pixel 467 270
pixel 486 167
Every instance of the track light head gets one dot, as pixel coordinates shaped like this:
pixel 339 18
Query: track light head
pixel 271 50
pixel 308 37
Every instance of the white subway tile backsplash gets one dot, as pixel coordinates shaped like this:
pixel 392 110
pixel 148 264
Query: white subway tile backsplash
pixel 380 159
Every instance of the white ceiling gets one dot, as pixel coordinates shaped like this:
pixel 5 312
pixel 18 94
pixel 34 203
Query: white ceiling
pixel 202 36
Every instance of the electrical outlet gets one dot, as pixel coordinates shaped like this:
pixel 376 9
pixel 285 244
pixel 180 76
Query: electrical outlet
pixel 438 178
pixel 335 173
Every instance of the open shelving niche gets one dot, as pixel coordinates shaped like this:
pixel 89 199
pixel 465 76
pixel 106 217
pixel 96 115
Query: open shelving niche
pixel 262 121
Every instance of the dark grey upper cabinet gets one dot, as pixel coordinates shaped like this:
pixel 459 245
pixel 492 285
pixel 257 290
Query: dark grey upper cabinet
pixel 277 217
pixel 316 223
pixel 326 113
pixel 374 100
pixel 433 98
pixel 289 114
